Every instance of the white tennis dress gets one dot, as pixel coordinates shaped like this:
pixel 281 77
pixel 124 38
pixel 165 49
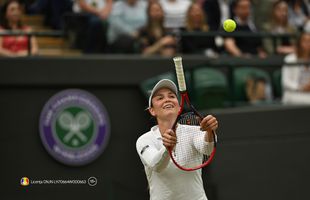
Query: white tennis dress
pixel 166 181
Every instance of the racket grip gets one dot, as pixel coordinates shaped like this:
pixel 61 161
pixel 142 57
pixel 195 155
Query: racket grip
pixel 180 73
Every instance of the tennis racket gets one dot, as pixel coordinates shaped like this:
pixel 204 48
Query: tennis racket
pixel 191 151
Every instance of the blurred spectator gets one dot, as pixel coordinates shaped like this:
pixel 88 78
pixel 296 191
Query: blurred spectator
pixel 175 13
pixel 217 11
pixel 258 89
pixel 13 46
pixel 296 78
pixel 196 19
pixel 154 38
pixel 196 23
pixel 299 13
pixel 244 46
pixel 97 13
pixel 126 19
pixel 279 24
pixel 260 10
pixel 53 10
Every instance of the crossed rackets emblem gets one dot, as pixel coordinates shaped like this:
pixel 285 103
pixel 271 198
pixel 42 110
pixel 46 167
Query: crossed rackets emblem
pixel 74 125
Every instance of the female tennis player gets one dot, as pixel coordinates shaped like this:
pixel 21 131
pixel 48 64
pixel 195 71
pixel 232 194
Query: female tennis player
pixel 166 181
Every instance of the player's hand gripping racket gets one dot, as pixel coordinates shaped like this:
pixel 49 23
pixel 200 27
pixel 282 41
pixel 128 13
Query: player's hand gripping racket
pixel 191 152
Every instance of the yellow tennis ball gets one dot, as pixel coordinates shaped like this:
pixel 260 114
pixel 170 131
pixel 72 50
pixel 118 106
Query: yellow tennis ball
pixel 229 25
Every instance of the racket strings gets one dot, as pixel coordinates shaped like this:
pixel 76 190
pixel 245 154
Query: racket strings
pixel 189 118
pixel 191 149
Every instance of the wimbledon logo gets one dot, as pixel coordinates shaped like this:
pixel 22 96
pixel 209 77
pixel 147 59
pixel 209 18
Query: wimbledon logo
pixel 74 127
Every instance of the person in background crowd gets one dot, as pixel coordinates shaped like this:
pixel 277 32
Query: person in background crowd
pixel 217 11
pixel 299 13
pixel 296 78
pixel 175 13
pixel 126 19
pixel 153 37
pixel 97 13
pixel 260 11
pixel 196 23
pixel 14 46
pixel 53 10
pixel 258 89
pixel 279 24
pixel 244 46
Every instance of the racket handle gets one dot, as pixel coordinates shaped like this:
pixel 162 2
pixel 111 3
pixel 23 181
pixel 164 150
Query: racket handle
pixel 180 73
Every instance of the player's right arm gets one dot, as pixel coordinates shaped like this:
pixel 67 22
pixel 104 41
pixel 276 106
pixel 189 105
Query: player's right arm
pixel 151 156
pixel 169 139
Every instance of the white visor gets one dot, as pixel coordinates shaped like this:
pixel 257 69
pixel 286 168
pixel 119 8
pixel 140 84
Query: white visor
pixel 164 83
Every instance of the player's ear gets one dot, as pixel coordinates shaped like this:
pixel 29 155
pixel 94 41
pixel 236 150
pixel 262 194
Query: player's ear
pixel 152 112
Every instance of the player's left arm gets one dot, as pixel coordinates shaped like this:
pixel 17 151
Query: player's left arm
pixel 209 124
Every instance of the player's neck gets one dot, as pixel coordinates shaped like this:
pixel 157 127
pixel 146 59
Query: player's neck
pixel 164 125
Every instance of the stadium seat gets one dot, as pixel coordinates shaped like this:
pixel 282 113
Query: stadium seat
pixel 211 88
pixel 241 74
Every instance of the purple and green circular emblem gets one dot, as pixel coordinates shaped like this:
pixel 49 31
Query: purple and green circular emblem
pixel 74 127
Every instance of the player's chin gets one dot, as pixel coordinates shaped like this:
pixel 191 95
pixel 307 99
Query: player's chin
pixel 170 110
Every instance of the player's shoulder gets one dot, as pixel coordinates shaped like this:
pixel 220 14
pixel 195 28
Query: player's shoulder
pixel 144 136
pixel 147 139
pixel 150 135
